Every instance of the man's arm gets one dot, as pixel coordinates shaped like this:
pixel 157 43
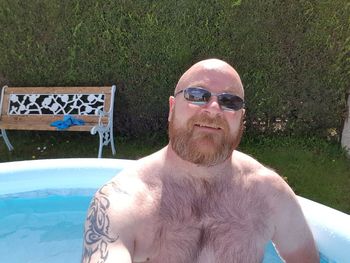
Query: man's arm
pixel 106 238
pixel 292 237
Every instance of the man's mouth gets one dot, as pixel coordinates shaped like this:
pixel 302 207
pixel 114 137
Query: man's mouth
pixel 208 126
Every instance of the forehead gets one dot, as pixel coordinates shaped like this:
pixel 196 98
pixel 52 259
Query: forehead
pixel 215 79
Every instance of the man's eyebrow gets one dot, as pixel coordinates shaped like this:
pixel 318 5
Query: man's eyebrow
pixel 197 84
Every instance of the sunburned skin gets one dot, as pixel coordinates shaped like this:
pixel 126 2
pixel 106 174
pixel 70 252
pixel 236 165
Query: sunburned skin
pixel 182 219
pixel 198 200
pixel 202 220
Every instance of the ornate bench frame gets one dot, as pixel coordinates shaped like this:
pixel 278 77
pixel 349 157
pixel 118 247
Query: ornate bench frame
pixel 35 108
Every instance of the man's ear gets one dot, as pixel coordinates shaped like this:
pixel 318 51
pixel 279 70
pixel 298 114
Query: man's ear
pixel 171 106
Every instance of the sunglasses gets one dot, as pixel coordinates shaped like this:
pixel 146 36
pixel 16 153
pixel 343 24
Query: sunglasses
pixel 200 96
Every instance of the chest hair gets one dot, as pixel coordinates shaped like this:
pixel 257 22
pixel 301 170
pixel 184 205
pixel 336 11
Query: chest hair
pixel 227 219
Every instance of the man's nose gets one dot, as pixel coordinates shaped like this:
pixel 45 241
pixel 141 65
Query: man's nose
pixel 213 105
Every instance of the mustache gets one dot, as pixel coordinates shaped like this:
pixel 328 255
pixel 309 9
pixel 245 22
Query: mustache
pixel 217 122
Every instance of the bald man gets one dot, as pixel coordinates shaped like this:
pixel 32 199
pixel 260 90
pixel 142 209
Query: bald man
pixel 198 199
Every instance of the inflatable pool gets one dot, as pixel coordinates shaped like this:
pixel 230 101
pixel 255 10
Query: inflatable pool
pixel 43 205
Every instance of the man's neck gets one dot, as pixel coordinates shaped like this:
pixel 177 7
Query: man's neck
pixel 183 167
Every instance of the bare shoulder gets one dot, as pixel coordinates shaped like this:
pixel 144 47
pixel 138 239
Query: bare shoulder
pixel 117 212
pixel 137 186
pixel 267 180
pixel 253 167
pixel 133 191
pixel 115 203
pixel 291 233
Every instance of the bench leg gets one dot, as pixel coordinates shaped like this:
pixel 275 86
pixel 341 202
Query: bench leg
pixel 6 139
pixel 112 143
pixel 105 136
pixel 101 145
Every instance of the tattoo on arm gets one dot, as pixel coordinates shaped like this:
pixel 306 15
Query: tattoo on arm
pixel 97 237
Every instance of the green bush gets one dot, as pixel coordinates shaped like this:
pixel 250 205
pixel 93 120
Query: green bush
pixel 292 55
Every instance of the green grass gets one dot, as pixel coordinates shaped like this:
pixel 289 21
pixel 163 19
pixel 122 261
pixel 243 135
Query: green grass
pixel 47 145
pixel 314 168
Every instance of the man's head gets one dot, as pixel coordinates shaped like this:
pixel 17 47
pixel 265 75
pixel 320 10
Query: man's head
pixel 206 113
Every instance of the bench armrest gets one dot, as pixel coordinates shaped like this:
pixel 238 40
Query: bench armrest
pixel 101 126
pixel 101 114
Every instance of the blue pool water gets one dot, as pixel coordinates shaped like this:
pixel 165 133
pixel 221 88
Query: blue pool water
pixel 43 206
pixel 42 229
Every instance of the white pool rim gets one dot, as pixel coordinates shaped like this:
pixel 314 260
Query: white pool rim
pixel 330 227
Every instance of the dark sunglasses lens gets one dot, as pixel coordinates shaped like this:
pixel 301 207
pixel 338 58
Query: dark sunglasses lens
pixel 197 95
pixel 230 101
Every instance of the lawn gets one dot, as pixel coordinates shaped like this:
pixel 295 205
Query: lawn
pixel 313 167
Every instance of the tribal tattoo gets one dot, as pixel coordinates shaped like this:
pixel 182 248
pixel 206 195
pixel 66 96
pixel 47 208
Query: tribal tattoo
pixel 97 236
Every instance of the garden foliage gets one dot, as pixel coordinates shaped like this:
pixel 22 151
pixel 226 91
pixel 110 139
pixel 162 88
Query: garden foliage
pixel 292 55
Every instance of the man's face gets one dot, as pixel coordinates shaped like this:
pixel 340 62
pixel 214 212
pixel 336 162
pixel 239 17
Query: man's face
pixel 205 135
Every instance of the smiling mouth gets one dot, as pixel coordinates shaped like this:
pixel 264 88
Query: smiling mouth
pixel 208 126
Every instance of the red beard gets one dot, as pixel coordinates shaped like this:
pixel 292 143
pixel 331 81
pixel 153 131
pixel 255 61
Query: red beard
pixel 204 148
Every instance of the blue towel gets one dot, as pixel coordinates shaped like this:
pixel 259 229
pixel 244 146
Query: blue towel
pixel 66 122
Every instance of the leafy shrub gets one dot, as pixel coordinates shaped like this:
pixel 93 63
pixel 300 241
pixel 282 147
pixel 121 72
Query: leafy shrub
pixel 292 55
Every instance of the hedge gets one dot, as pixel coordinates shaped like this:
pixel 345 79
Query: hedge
pixel 292 55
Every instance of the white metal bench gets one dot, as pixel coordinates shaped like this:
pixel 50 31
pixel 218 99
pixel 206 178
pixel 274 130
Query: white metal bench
pixel 35 108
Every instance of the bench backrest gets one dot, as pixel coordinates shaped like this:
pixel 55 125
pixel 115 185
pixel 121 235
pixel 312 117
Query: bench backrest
pixel 35 105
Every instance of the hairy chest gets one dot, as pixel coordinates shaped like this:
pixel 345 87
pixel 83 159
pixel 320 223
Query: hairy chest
pixel 211 223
